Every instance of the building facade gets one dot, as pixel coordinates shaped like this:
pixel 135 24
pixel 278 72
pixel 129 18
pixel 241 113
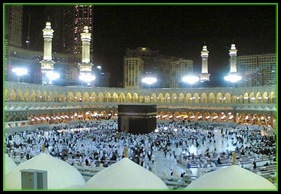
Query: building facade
pixel 257 70
pixel 167 69
pixel 13 25
pixel 35 104
pixel 133 70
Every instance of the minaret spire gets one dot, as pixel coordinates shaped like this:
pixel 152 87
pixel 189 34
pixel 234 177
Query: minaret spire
pixel 233 60
pixel 85 67
pixel 204 76
pixel 233 76
pixel 47 64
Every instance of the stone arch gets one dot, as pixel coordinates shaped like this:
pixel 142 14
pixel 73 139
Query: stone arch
pixel 153 98
pixel 212 98
pixel 188 98
pixel 70 97
pixel 204 98
pixel 206 116
pixel 62 98
pixel 128 97
pixel 26 96
pixel 115 97
pixel 45 96
pixel 222 116
pixel 108 97
pixel 198 116
pixel 219 98
pixel 234 99
pixel 135 97
pixel 258 97
pixel 245 98
pixel 122 97
pixel 252 98
pixel 161 98
pixel 214 116
pixel 167 98
pixel 227 97
pixel 78 97
pixel 56 97
pixel 191 116
pixel 50 97
pixel 20 95
pixel 174 98
pixel 196 98
pixel 7 97
pixel 177 115
pixel 100 97
pixel 86 97
pixel 181 98
pixel 184 115
pixel 271 97
pixel 93 97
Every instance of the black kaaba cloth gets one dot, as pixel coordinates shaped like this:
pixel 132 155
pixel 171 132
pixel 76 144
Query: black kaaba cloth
pixel 137 119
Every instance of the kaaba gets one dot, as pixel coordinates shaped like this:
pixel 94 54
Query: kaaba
pixel 137 119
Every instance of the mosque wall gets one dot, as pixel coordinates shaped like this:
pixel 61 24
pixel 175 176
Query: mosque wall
pixel 34 104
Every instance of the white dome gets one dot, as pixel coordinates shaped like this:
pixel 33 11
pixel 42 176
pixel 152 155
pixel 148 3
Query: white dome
pixel 125 174
pixel 60 174
pixel 231 177
pixel 9 164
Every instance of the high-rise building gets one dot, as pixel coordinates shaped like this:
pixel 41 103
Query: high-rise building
pixel 68 22
pixel 167 69
pixel 133 70
pixel 257 70
pixel 14 19
pixel 178 69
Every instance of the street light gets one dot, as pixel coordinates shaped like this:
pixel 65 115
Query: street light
pixel 190 79
pixel 87 77
pixel 52 75
pixel 149 80
pixel 232 77
pixel 19 71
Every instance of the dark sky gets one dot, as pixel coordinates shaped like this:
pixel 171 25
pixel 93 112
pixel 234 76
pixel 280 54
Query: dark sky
pixel 175 30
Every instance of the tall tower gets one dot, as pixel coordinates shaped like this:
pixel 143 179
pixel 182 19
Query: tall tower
pixel 47 64
pixel 233 76
pixel 204 76
pixel 14 19
pixel 85 68
pixel 233 60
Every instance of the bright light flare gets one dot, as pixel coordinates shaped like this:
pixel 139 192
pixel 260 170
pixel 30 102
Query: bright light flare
pixel 19 71
pixel 51 75
pixel 87 77
pixel 149 80
pixel 232 78
pixel 191 79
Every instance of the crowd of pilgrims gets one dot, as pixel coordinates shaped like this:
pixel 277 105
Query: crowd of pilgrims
pixel 98 143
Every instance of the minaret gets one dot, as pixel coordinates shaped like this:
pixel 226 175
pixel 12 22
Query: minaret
pixel 86 66
pixel 233 75
pixel 233 60
pixel 204 75
pixel 47 64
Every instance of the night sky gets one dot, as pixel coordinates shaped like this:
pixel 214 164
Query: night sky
pixel 175 30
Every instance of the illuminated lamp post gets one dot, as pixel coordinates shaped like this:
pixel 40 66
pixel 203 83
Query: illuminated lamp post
pixel 52 75
pixel 190 79
pixel 19 72
pixel 149 80
pixel 87 78
pixel 232 77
